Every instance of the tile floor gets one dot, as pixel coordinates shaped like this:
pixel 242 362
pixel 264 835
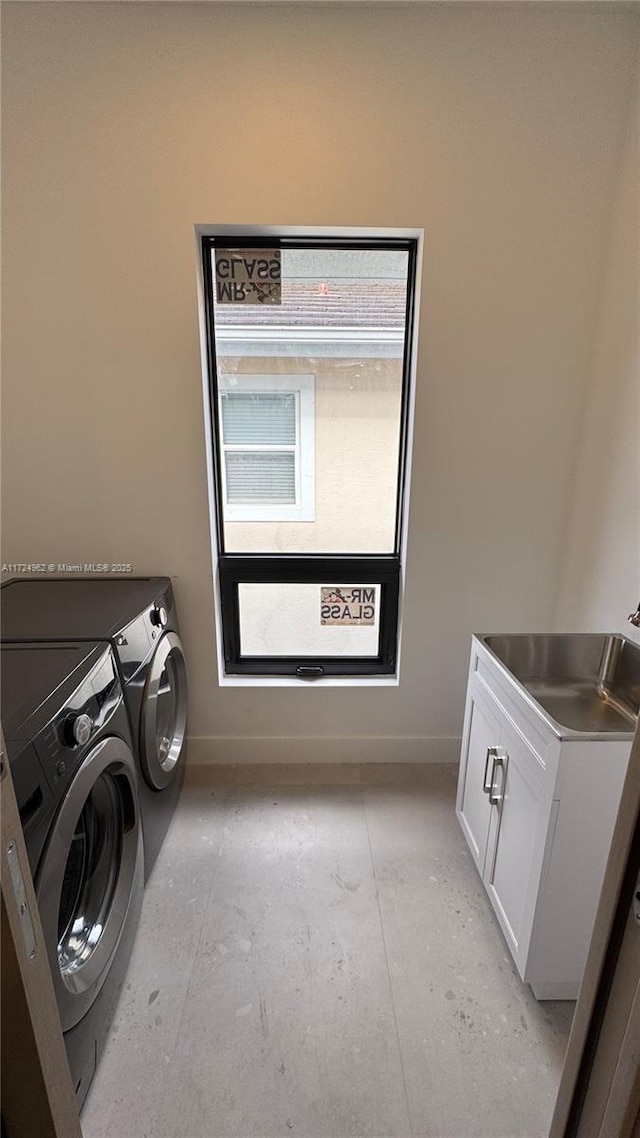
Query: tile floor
pixel 317 959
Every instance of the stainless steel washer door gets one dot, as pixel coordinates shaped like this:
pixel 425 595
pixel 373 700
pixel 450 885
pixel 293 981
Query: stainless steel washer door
pixel 164 712
pixel 87 875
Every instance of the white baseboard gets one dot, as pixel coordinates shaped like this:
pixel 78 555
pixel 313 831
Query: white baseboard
pixel 204 749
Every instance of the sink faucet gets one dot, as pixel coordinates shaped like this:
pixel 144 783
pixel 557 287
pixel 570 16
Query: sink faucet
pixel 634 617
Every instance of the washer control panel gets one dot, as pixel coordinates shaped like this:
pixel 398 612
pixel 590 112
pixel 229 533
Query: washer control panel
pixel 61 744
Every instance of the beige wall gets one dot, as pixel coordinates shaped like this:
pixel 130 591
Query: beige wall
pixel 600 582
pixel 498 130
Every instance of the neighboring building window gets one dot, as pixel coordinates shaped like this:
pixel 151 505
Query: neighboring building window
pixel 268 443
pixel 310 344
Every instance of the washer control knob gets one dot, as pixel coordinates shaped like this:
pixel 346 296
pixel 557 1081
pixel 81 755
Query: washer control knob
pixel 159 616
pixel 78 729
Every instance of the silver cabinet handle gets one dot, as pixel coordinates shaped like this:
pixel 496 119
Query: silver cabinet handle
pixel 496 799
pixel 492 753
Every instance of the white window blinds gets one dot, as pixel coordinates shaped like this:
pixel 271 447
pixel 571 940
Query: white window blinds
pixel 255 426
pixel 255 476
pixel 259 418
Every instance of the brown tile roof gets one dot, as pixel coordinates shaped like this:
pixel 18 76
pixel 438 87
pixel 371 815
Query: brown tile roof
pixel 327 304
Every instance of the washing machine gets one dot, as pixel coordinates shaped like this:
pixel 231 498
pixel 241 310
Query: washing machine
pixel 138 618
pixel 71 756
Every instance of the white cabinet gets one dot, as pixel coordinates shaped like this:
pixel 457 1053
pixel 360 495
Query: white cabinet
pixel 482 733
pixel 538 813
pixel 518 829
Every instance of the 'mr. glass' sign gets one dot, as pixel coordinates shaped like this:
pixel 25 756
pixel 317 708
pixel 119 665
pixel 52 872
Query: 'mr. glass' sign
pixel 347 606
pixel 248 276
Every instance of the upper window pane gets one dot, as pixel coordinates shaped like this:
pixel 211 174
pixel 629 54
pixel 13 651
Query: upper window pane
pixel 337 322
pixel 258 417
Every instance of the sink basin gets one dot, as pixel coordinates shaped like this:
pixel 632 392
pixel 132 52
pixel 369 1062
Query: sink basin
pixel 585 682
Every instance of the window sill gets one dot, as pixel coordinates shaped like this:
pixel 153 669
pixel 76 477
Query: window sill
pixel 294 682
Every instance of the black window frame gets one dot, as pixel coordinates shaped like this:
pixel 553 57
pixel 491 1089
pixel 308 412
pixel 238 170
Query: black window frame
pixel 337 568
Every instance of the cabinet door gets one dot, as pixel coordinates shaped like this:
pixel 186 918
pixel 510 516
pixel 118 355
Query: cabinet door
pixel 521 818
pixel 481 734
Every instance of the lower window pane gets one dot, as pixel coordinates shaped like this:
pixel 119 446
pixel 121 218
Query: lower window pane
pixel 309 620
pixel 256 477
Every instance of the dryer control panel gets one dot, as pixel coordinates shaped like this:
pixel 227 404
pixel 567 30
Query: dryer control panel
pixel 137 641
pixel 134 645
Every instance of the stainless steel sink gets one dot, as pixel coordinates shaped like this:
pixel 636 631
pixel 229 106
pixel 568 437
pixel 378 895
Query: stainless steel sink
pixel 585 682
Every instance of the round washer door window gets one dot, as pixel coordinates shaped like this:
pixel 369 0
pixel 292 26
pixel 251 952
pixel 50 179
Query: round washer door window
pixel 89 872
pixel 164 712
pixel 90 875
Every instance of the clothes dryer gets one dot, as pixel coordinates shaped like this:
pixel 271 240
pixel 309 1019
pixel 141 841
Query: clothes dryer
pixel 138 618
pixel 71 757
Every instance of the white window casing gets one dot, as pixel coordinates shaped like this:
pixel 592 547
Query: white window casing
pixel 249 338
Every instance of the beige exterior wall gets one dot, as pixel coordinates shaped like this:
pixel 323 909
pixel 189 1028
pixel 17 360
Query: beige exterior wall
pixel 499 129
pixel 357 425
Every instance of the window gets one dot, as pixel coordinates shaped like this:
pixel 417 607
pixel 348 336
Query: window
pixel 309 347
pixel 268 442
